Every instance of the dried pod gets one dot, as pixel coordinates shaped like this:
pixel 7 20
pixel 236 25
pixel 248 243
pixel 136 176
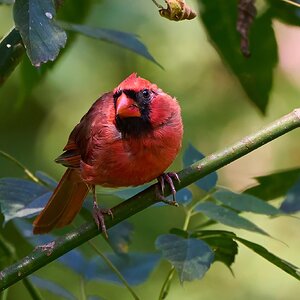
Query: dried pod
pixel 246 15
pixel 177 10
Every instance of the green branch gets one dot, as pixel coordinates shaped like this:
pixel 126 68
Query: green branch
pixel 43 255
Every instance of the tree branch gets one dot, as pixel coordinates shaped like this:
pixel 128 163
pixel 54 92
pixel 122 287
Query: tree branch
pixel 43 255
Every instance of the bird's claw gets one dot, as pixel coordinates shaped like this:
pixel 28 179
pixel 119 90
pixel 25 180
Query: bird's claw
pixel 98 215
pixel 167 177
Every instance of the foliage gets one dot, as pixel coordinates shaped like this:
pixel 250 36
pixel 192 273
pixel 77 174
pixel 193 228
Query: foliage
pixel 191 250
pixel 42 30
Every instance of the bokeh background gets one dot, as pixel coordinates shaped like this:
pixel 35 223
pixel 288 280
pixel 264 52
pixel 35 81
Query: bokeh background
pixel 216 113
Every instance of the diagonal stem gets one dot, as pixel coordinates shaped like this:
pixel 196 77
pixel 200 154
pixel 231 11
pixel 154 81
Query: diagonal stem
pixel 39 257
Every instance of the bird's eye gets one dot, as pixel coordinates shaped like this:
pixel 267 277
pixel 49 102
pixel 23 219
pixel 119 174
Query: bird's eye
pixel 146 94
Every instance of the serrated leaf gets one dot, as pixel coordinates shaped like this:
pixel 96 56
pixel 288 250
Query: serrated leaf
pixel 291 203
pixel 16 195
pixel 191 257
pixel 219 18
pixel 279 262
pixel 227 217
pixel 122 39
pixel 274 185
pixel 285 12
pixel 42 37
pixel 120 236
pixel 245 202
pixel 190 156
pixel 135 267
pixel 52 287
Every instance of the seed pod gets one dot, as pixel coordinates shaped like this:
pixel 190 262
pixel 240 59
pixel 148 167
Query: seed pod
pixel 246 14
pixel 177 10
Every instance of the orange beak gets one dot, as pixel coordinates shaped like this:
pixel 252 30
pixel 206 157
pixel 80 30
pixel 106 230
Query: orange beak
pixel 126 107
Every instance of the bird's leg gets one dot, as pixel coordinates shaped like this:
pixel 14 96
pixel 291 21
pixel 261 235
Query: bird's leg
pixel 167 177
pixel 98 213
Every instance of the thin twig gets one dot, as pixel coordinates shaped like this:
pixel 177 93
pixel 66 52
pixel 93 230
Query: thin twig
pixel 115 270
pixel 292 2
pixel 20 165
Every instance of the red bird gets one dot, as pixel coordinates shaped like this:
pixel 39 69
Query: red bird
pixel 129 137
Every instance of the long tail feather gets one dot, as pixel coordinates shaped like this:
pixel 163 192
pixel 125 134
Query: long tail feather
pixel 63 205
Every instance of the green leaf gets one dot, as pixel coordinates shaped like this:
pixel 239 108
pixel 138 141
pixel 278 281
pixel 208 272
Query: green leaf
pixel 46 179
pixel 244 202
pixel 285 12
pixel 277 261
pixel 52 287
pixel 225 247
pixel 122 39
pixel 227 217
pixel 70 10
pixel 119 237
pixel 291 203
pixel 11 53
pixel 191 257
pixel 255 74
pixel 135 267
pixel 190 156
pixel 180 232
pixel 274 185
pixel 280 263
pixel 16 195
pixel 42 38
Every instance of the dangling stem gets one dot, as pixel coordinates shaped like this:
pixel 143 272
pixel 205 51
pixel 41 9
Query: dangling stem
pixel 157 4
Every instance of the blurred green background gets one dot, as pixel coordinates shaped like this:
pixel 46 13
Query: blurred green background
pixel 216 113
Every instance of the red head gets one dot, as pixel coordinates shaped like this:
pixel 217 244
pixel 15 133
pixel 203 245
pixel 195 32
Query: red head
pixel 141 106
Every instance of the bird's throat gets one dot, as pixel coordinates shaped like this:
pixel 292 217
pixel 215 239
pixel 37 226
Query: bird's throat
pixel 133 127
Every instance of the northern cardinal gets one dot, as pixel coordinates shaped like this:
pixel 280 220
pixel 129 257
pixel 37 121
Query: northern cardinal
pixel 129 137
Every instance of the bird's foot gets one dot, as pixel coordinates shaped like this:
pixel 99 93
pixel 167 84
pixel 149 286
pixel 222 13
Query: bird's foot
pixel 167 177
pixel 98 215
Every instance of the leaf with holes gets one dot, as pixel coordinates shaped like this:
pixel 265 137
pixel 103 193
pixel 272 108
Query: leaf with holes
pixel 219 18
pixel 244 202
pixel 227 217
pixel 191 257
pixel 42 37
pixel 190 156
